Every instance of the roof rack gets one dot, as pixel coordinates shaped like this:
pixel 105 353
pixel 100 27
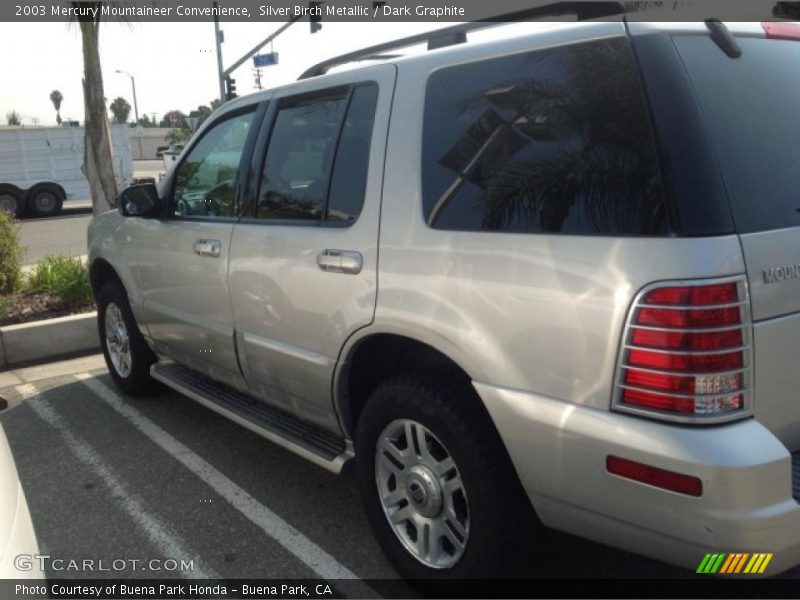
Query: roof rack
pixel 457 34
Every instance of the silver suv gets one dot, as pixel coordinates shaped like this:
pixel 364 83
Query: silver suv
pixel 559 270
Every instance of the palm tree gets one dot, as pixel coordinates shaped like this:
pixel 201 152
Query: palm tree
pixel 56 98
pixel 120 109
pixel 13 118
pixel 99 166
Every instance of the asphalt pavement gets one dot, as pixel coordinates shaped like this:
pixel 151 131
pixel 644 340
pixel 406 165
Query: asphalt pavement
pixel 66 233
pixel 109 478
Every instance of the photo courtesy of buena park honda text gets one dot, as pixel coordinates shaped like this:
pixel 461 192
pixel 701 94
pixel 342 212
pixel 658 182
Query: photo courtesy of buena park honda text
pixel 399 299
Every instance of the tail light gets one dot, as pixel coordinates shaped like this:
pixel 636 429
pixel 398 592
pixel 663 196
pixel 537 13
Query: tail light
pixel 686 354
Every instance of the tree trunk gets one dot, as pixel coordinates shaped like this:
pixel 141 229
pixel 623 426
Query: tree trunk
pixel 99 162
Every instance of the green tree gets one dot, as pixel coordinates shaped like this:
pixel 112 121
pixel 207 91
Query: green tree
pixel 146 122
pixel 57 98
pixel 202 112
pixel 13 118
pixel 215 104
pixel 178 135
pixel 167 120
pixel 120 109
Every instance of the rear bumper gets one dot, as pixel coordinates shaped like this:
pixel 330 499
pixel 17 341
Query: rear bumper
pixel 559 451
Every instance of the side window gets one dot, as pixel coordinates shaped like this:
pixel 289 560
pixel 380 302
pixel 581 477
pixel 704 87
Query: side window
pixel 551 141
pixel 318 156
pixel 349 176
pixel 205 181
pixel 301 148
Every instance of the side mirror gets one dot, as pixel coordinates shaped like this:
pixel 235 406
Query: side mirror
pixel 139 201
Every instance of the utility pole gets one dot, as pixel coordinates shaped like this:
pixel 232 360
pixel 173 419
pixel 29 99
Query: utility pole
pixel 135 109
pixel 219 38
pixel 315 12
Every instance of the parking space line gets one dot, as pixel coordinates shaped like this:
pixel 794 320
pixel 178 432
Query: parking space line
pixel 309 553
pixel 167 542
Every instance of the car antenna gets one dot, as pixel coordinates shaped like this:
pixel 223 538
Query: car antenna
pixel 722 37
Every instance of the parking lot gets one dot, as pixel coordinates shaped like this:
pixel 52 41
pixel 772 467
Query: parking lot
pixel 109 478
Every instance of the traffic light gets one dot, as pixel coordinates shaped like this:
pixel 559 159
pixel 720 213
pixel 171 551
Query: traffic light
pixel 315 16
pixel 230 88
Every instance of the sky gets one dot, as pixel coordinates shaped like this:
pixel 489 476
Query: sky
pixel 174 64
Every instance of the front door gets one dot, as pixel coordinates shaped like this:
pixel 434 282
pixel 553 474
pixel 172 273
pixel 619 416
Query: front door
pixel 303 268
pixel 180 262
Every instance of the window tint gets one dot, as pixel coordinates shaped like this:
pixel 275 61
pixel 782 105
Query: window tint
pixel 349 177
pixel 205 181
pixel 555 140
pixel 300 152
pixel 754 124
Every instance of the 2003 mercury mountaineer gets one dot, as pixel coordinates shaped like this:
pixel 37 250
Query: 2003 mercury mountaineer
pixel 558 267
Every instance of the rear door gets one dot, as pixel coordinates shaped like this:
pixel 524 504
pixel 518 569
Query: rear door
pixel 303 264
pixel 752 110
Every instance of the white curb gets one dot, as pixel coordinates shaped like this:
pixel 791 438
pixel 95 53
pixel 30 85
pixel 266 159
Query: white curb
pixel 47 339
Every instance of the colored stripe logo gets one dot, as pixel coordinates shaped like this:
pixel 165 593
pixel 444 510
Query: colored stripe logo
pixel 734 563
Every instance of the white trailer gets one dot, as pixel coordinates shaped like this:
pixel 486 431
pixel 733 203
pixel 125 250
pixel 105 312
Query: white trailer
pixel 41 167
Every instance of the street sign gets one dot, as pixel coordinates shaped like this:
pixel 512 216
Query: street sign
pixel 173 118
pixel 265 60
pixel 192 121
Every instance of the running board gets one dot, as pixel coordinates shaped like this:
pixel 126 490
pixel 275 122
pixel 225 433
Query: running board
pixel 309 441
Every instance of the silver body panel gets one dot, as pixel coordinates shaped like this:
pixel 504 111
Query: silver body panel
pixel 292 317
pixel 775 290
pixel 535 321
pixel 545 311
pixel 185 300
pixel 773 268
pixel 559 450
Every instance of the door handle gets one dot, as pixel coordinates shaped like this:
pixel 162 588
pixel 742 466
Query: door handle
pixel 208 248
pixel 340 261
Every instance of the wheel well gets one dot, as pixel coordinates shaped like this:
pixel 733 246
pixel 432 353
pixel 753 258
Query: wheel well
pixel 100 273
pixel 382 356
pixel 10 187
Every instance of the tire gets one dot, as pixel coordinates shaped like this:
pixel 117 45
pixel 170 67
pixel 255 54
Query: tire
pixel 12 201
pixel 45 201
pixel 132 376
pixel 490 506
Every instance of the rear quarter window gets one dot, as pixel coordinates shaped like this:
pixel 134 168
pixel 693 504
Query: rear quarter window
pixel 550 141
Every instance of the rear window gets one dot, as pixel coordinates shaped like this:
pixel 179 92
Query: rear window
pixel 752 110
pixel 550 141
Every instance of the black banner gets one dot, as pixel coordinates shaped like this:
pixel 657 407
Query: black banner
pixel 392 10
pixel 291 589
